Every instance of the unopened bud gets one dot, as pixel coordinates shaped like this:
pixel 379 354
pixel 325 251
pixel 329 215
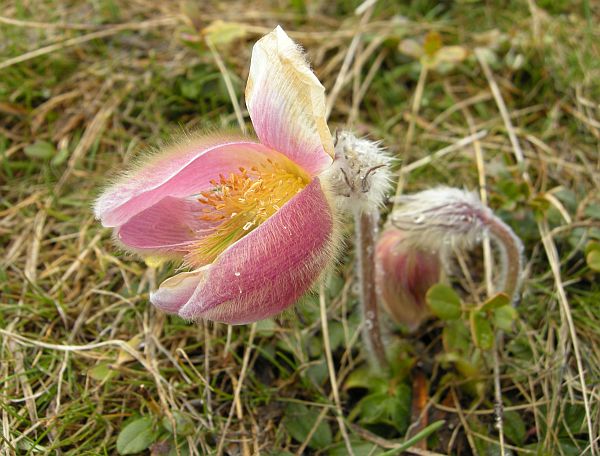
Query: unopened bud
pixel 442 218
pixel 403 275
pixel 446 219
pixel 360 175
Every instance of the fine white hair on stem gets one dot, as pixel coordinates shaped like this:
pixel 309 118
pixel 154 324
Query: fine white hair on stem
pixel 444 219
pixel 360 175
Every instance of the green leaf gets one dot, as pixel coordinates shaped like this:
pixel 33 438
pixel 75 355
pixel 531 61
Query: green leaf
pixel 443 302
pixel 504 317
pixel 183 424
pixel 336 335
pixel 364 377
pixel 514 427
pixel 318 372
pixel 136 436
pixel 385 408
pixel 481 330
pixel 299 420
pixel 496 301
pixel 102 372
pixel 40 149
pixel 60 157
pixel 593 260
pixel 593 246
pixel 221 33
pixel 266 328
pixel 456 337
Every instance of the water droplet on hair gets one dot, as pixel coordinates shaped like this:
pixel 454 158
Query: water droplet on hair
pixel 419 219
pixel 237 273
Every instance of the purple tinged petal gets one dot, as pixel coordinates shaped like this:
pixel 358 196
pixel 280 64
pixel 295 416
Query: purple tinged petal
pixel 403 276
pixel 179 172
pixel 176 291
pixel 286 103
pixel 269 269
pixel 168 226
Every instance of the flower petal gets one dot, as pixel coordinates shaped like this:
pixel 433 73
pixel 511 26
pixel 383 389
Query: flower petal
pixel 286 103
pixel 170 225
pixel 176 291
pixel 403 276
pixel 180 171
pixel 270 268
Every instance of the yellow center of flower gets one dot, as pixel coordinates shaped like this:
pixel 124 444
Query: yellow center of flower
pixel 240 202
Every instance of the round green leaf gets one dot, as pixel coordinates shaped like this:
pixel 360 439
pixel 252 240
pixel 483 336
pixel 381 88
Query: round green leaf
pixel 40 149
pixel 481 330
pixel 443 302
pixel 496 301
pixel 136 436
pixel 593 260
pixel 504 317
pixel 102 372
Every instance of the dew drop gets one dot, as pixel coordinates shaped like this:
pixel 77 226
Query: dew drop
pixel 236 273
pixel 419 219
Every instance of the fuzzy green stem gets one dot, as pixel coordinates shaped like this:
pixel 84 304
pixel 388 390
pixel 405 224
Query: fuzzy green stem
pixel 366 225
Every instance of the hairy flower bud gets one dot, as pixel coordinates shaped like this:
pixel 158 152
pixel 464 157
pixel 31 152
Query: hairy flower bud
pixel 446 219
pixel 403 275
pixel 360 175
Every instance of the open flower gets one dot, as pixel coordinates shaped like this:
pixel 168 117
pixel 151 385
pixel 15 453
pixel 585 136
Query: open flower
pixel 250 218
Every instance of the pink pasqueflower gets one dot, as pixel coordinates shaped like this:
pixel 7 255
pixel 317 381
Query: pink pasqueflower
pixel 403 274
pixel 250 218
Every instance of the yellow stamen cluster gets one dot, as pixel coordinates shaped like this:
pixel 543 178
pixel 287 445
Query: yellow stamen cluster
pixel 240 202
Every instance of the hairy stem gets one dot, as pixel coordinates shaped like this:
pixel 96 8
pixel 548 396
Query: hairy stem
pixel 512 267
pixel 512 262
pixel 366 225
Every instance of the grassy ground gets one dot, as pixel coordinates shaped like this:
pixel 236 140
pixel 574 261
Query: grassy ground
pixel 85 86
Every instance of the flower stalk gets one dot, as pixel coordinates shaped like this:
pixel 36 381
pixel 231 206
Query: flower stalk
pixel 366 231
pixel 360 180
pixel 510 256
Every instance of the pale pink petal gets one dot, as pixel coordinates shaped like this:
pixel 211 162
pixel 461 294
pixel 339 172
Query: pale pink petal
pixel 179 172
pixel 403 276
pixel 168 226
pixel 270 268
pixel 176 291
pixel 286 103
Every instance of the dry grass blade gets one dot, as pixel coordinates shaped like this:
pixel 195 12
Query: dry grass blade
pixel 168 21
pixel 554 261
pixel 331 368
